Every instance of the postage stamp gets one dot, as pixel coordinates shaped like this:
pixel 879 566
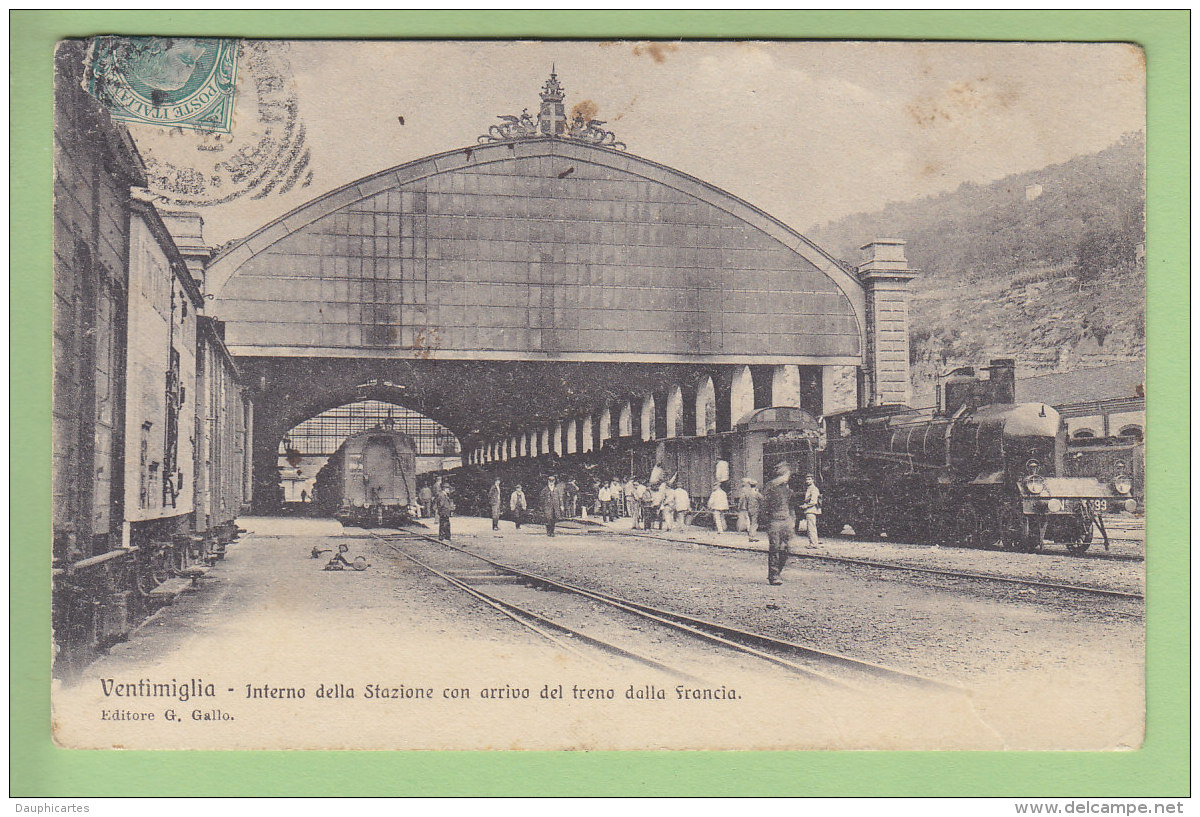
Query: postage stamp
pixel 179 82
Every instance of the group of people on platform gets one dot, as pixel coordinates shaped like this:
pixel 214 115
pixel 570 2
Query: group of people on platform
pixel 658 503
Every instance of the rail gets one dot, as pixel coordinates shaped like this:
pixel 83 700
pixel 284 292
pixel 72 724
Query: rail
pixel 728 636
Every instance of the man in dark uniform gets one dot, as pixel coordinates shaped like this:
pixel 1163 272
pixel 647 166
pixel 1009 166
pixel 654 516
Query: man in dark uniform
pixel 550 500
pixel 494 498
pixel 445 507
pixel 777 506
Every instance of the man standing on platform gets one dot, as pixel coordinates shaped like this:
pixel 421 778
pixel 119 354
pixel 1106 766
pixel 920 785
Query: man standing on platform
pixel 748 503
pixel 777 503
pixel 495 500
pixel 425 497
pixel 571 503
pixel 445 508
pixel 811 508
pixel 682 505
pixel 718 503
pixel 518 505
pixel 604 497
pixel 549 501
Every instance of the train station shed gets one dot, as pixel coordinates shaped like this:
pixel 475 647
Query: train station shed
pixel 545 290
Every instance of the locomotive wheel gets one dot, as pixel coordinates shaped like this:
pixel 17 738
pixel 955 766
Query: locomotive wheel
pixel 830 525
pixel 867 524
pixel 866 528
pixel 1082 532
pixel 941 527
pixel 972 529
pixel 1019 532
pixel 900 530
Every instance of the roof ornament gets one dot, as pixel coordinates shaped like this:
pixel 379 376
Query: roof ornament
pixel 551 121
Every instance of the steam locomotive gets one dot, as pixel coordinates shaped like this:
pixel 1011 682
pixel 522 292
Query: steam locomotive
pixel 370 479
pixel 977 470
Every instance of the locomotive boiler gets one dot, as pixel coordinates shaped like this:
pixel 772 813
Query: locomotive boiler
pixel 370 479
pixel 978 469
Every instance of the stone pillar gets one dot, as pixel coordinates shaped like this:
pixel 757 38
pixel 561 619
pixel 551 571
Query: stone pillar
pixel 605 425
pixel 558 439
pixel 706 408
pixel 648 417
pixel 625 420
pixel 741 395
pixel 839 389
pixel 886 276
pixel 675 411
pixel 785 385
pixel 572 436
pixel 588 441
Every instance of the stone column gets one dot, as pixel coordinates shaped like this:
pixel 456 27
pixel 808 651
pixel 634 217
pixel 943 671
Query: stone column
pixel 558 439
pixel 625 420
pixel 706 408
pixel 605 425
pixel 785 385
pixel 648 417
pixel 741 395
pixel 675 411
pixel 886 276
pixel 839 389
pixel 588 434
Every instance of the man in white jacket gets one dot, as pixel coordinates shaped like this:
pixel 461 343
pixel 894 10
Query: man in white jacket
pixel 811 508
pixel 718 503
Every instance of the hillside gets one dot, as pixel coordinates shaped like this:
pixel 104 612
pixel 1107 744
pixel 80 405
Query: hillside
pixel 1045 266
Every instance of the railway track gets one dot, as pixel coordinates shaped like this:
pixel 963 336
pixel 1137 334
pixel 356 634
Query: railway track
pixel 485 579
pixel 954 574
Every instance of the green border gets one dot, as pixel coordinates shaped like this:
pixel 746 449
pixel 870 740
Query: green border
pixel 1159 768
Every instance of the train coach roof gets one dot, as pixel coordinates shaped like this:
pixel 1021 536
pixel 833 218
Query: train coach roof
pixel 777 418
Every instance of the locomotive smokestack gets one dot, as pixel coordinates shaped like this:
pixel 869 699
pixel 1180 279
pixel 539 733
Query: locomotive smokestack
pixel 1002 380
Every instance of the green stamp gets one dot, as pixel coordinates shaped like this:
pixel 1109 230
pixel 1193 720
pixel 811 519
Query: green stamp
pixel 173 82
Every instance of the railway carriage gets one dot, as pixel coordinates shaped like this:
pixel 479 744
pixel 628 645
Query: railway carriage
pixel 150 419
pixel 370 479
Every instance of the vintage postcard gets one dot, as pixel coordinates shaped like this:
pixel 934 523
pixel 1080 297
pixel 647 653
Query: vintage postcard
pixel 599 395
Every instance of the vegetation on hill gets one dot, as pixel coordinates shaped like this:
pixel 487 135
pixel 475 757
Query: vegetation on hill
pixel 1045 266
